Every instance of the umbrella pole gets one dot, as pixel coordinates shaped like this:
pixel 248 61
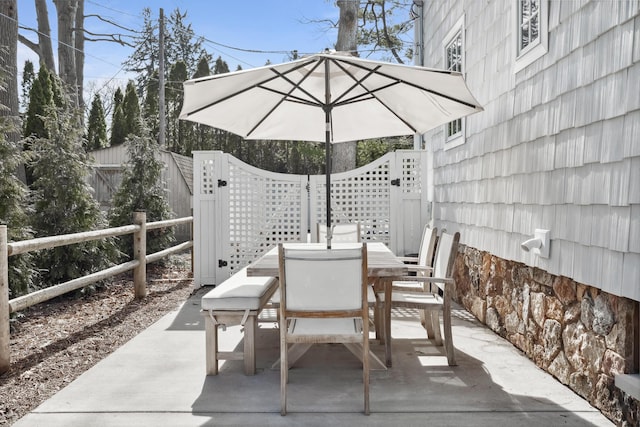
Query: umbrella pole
pixel 327 146
pixel 328 185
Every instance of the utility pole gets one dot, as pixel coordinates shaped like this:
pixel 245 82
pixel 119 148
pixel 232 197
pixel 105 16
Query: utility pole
pixel 161 107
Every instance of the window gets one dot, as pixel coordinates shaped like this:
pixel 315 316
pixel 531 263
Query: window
pixel 532 29
pixel 529 23
pixel 454 61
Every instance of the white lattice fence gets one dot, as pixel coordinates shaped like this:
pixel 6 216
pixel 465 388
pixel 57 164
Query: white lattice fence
pixel 241 211
pixel 362 195
pixel 264 209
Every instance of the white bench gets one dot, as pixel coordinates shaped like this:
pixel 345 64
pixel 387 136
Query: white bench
pixel 236 301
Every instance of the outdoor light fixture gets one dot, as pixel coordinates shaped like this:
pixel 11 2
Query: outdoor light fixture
pixel 539 244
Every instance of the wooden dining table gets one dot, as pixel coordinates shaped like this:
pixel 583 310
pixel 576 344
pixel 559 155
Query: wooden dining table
pixel 382 266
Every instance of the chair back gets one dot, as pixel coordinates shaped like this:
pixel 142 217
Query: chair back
pixel 348 232
pixel 427 246
pixel 445 254
pixel 322 279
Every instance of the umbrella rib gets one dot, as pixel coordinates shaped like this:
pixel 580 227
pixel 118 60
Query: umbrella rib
pixel 291 98
pixel 286 95
pixel 246 89
pixel 370 94
pixel 297 86
pixel 357 82
pixel 413 85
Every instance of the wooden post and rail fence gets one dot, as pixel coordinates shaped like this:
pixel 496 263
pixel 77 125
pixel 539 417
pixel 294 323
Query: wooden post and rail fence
pixel 138 264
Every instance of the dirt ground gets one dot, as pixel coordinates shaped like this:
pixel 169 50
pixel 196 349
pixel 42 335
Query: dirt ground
pixel 53 343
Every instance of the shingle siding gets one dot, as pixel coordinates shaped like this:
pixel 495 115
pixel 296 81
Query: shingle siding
pixel 558 145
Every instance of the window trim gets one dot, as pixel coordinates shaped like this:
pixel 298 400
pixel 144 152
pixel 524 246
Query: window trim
pixel 459 138
pixel 540 46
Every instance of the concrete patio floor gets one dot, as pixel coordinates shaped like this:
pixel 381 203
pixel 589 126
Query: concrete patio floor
pixel 158 379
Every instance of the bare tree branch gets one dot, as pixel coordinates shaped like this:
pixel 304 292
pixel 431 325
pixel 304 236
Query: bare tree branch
pixel 385 30
pixel 108 21
pixel 112 38
pixel 28 43
pixel 115 38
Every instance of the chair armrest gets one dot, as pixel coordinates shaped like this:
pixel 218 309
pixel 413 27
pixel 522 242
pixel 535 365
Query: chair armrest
pixel 420 269
pixel 443 280
pixel 440 282
pixel 406 259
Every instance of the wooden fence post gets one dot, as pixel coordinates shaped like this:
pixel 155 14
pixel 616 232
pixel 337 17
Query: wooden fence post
pixel 139 254
pixel 5 355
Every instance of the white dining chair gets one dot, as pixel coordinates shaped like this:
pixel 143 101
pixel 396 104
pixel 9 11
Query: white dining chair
pixel 347 232
pixel 323 299
pixel 433 294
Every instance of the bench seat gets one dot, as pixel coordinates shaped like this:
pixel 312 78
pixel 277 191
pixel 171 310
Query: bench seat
pixel 236 301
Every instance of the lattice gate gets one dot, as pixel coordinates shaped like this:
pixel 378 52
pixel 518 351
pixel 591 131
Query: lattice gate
pixel 240 211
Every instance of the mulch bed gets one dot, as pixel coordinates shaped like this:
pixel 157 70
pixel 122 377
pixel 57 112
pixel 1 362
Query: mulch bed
pixel 54 342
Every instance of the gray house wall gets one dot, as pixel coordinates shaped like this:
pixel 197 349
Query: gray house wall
pixel 558 145
pixel 557 148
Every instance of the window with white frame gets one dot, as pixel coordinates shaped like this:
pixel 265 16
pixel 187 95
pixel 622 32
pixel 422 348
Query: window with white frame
pixel 532 20
pixel 454 61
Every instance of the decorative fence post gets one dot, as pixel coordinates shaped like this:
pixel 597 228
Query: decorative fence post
pixel 139 254
pixel 5 355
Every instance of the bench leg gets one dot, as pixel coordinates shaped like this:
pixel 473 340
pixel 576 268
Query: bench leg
pixel 250 327
pixel 211 342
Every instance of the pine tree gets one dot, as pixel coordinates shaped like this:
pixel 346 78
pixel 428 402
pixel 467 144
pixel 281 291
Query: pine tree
pixel 203 135
pixel 176 129
pixel 182 45
pixel 40 98
pixel 143 62
pixel 118 122
pixel 150 106
pixel 131 110
pixel 203 69
pixel 142 189
pixel 97 125
pixel 221 66
pixel 63 201
pixel 28 76
pixel 14 211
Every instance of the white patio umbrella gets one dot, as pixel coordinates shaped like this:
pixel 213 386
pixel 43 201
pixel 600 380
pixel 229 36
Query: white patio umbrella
pixel 328 97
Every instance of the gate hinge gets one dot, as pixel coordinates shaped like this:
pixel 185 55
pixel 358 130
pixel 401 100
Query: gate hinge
pixel 222 183
pixel 222 263
pixel 396 182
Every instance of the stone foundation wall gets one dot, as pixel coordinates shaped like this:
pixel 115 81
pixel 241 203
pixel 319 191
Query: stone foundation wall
pixel 577 333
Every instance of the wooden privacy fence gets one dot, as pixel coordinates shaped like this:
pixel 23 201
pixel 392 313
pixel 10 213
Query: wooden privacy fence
pixel 137 264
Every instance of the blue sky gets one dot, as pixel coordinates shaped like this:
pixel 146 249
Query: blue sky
pixel 264 25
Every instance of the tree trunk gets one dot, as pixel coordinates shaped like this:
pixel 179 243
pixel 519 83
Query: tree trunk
pixel 343 155
pixel 348 27
pixel 9 60
pixel 79 46
pixel 9 102
pixel 66 12
pixel 45 48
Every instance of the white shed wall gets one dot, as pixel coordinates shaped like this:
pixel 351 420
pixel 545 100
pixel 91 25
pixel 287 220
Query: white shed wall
pixel 177 184
pixel 558 145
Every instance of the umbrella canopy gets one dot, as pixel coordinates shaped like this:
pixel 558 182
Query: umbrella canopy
pixel 328 97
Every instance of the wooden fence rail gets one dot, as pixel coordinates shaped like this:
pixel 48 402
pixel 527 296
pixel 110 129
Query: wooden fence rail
pixel 137 264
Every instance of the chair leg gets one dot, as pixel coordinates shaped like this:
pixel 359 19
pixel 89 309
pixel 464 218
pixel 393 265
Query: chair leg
pixel 425 319
pixel 448 336
pixel 387 324
pixel 211 343
pixel 434 320
pixel 284 368
pixel 250 327
pixel 366 369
